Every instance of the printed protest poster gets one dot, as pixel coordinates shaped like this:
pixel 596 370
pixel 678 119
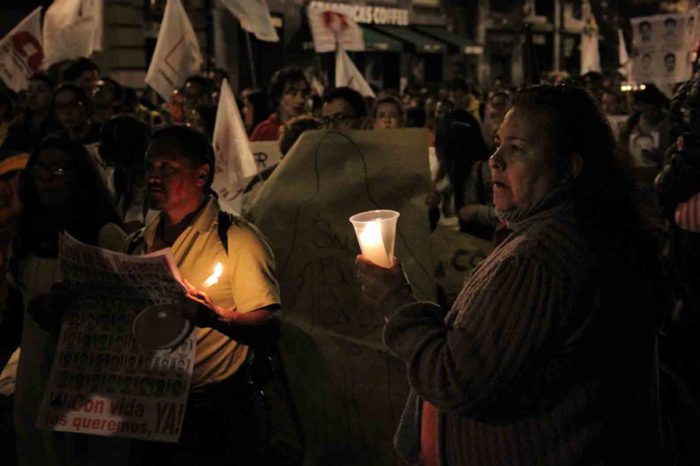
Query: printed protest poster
pixel 661 49
pixel 102 382
pixel 330 28
pixel 22 52
pixel 349 390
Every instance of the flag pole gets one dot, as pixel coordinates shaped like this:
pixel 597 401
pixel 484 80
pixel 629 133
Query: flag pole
pixel 249 46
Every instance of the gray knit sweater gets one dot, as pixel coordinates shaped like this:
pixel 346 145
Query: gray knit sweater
pixel 547 357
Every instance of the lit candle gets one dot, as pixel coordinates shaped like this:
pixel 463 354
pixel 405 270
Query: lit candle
pixel 372 244
pixel 214 277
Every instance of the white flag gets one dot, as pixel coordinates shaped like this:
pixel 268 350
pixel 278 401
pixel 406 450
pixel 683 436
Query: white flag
pixel 254 17
pixel 72 29
pixel 347 74
pixel 235 164
pixel 177 55
pixel 332 28
pixel 590 56
pixel 625 64
pixel 21 52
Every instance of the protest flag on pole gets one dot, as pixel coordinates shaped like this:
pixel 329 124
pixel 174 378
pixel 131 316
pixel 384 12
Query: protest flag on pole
pixel 590 55
pixel 22 53
pixel 255 18
pixel 347 74
pixel 72 29
pixel 177 55
pixel 235 164
pixel 625 64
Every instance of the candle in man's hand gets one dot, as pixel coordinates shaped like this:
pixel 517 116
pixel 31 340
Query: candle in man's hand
pixel 214 277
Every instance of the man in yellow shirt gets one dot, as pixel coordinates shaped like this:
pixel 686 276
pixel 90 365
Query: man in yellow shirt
pixel 220 425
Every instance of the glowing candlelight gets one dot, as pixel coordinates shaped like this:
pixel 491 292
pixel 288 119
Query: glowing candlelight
pixel 214 277
pixel 375 232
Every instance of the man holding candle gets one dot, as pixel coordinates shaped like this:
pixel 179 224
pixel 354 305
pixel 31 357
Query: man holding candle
pixel 236 310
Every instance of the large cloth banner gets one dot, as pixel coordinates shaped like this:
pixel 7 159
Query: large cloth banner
pixel 177 55
pixel 101 381
pixel 331 28
pixel 661 49
pixel 349 390
pixel 21 52
pixel 73 29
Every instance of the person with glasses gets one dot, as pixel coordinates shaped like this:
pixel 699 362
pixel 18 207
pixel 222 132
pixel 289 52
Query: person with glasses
pixel 289 93
pixel 60 191
pixel 343 109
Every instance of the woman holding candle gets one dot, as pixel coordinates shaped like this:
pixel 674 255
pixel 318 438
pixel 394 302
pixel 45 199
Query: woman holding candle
pixel 548 354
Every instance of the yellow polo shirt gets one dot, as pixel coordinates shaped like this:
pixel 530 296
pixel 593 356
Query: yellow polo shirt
pixel 247 283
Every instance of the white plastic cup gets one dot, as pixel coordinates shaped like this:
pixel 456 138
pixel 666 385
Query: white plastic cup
pixel 376 233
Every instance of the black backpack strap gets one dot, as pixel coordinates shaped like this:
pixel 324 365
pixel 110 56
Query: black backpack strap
pixel 225 221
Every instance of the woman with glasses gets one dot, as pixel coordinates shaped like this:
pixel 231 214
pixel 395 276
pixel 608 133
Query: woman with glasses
pixel 60 191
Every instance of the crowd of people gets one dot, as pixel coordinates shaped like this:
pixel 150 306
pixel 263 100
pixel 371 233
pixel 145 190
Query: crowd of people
pixel 547 356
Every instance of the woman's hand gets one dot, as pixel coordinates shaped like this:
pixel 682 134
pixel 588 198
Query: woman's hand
pixel 384 289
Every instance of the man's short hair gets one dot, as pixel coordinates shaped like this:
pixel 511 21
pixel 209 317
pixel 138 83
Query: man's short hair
pixel 669 55
pixel 73 71
pixel 668 21
pixel 349 95
pixel 645 23
pixel 190 143
pixel 281 81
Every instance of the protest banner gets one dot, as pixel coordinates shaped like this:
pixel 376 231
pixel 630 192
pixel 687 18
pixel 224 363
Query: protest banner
pixel 101 381
pixel 235 165
pixel 350 391
pixel 661 49
pixel 459 253
pixel 254 16
pixel 72 29
pixel 266 153
pixel 347 74
pixel 177 55
pixel 22 52
pixel 331 28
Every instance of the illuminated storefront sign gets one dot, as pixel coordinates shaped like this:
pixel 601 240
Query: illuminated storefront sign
pixel 367 14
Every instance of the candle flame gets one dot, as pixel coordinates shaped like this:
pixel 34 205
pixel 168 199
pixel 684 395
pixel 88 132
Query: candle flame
pixel 372 232
pixel 214 277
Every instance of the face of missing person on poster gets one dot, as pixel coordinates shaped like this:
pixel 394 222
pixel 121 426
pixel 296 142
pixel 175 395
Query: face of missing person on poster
pixel 670 63
pixel 645 31
pixel 670 29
